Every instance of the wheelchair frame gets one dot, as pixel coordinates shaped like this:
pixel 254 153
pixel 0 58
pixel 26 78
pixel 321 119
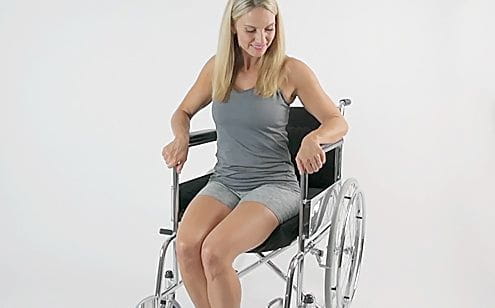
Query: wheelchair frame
pixel 340 282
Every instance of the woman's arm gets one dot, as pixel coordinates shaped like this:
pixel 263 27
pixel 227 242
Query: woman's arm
pixel 318 103
pixel 180 123
pixel 333 126
pixel 198 97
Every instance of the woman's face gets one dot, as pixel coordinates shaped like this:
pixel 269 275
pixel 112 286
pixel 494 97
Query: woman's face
pixel 255 31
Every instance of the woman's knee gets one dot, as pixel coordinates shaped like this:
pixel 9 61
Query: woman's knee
pixel 214 257
pixel 201 216
pixel 188 247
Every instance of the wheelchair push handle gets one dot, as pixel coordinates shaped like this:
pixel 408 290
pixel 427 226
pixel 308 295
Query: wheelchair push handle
pixel 343 103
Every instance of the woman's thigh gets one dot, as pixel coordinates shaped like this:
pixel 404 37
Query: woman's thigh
pixel 249 225
pixel 283 200
pixel 252 221
pixel 208 208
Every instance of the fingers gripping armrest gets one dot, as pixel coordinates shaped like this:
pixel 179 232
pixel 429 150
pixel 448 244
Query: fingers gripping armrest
pixel 202 136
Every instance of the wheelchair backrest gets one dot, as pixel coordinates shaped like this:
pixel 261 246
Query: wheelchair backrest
pixel 301 122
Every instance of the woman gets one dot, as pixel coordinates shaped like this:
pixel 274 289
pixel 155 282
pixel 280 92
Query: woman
pixel 253 189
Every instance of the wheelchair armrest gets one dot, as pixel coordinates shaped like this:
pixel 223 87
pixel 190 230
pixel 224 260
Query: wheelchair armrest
pixel 330 146
pixel 202 136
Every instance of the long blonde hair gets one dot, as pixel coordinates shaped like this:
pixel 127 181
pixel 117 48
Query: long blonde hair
pixel 229 54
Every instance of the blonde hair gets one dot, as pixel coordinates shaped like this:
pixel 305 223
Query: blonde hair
pixel 229 53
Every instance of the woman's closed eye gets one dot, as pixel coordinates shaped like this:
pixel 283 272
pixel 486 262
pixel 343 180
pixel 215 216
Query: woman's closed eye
pixel 252 31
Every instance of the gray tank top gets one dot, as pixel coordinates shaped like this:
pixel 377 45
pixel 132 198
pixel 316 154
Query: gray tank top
pixel 252 141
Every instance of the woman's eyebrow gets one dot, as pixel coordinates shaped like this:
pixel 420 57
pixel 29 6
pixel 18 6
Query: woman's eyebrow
pixel 255 27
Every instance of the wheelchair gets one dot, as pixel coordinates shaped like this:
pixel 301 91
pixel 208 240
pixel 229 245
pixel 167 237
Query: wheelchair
pixel 332 209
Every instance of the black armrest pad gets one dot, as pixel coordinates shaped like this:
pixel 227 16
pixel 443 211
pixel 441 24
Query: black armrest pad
pixel 202 136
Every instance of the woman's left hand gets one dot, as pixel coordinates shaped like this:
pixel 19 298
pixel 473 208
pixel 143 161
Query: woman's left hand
pixel 310 157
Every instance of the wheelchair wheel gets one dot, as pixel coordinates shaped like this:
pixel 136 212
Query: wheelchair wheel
pixel 345 246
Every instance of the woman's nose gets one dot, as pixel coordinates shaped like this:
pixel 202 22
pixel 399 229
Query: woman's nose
pixel 259 39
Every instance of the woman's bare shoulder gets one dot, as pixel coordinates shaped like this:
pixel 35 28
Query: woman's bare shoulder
pixel 293 64
pixel 297 70
pixel 292 67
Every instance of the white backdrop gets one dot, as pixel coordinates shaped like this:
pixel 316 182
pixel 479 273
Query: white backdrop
pixel 87 89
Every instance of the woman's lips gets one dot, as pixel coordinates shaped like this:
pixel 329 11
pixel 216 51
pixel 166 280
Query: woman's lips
pixel 261 47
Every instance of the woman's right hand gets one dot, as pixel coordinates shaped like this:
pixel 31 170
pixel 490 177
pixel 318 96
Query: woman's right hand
pixel 175 153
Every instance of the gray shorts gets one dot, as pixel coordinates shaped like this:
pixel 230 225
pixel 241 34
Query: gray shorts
pixel 283 201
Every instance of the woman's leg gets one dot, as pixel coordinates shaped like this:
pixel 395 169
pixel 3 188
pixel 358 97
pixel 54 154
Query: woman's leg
pixel 201 216
pixel 247 226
